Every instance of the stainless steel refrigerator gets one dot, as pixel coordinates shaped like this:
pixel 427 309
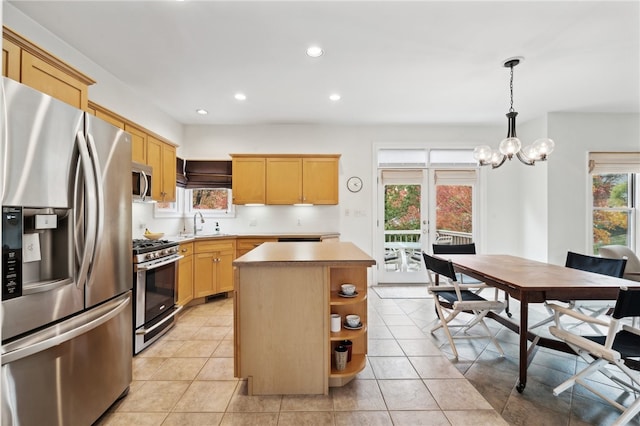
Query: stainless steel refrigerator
pixel 66 261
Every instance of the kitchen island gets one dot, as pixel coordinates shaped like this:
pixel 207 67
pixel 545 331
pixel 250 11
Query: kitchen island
pixel 283 298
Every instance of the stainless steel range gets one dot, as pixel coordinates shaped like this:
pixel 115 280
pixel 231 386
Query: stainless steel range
pixel 155 274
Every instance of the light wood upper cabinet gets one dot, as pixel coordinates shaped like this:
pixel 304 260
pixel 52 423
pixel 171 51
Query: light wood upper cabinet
pixel 11 60
pixel 29 64
pixel 162 157
pixel 248 181
pixel 285 179
pixel 320 180
pixel 138 143
pixel 107 115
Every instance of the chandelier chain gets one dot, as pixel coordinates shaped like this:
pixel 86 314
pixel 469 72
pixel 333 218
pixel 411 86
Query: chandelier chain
pixel 511 89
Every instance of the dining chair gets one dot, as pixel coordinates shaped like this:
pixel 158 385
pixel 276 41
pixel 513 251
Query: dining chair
pixel 595 264
pixel 606 352
pixel 468 248
pixel 632 270
pixel 452 298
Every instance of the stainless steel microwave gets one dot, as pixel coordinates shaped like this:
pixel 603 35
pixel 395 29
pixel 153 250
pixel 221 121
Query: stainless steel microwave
pixel 141 181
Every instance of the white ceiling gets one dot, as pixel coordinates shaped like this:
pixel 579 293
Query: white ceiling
pixel 393 62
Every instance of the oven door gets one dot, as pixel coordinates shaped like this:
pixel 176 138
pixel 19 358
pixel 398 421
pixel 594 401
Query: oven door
pixel 154 300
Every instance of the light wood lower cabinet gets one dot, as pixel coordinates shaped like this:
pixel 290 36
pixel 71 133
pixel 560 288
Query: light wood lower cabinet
pixel 185 275
pixel 213 267
pixel 245 245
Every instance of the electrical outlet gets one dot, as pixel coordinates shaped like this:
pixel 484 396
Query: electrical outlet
pixel 253 222
pixel 299 222
pixel 143 225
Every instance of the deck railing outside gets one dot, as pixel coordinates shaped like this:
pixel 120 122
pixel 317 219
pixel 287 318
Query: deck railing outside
pixel 402 248
pixel 451 237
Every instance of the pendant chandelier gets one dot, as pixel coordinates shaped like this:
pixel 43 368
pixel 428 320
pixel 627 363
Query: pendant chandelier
pixel 511 145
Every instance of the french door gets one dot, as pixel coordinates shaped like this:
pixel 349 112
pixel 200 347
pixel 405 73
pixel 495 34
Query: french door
pixel 417 208
pixel 403 225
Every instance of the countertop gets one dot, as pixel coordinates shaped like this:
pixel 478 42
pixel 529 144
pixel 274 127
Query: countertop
pixel 292 235
pixel 305 252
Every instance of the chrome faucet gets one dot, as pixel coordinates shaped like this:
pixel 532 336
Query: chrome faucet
pixel 195 229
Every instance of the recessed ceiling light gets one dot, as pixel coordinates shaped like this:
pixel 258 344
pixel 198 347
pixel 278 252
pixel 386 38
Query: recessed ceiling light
pixel 202 111
pixel 240 96
pixel 334 97
pixel 315 51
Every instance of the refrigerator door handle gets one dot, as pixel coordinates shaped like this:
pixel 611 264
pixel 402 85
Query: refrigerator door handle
pixel 99 211
pixel 4 143
pixel 44 342
pixel 90 206
pixel 41 286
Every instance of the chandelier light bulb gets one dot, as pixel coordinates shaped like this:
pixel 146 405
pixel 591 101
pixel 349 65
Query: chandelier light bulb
pixel 530 152
pixel 482 153
pixel 544 147
pixel 496 158
pixel 510 146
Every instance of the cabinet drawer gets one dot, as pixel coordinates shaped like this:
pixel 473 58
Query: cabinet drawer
pixel 251 243
pixel 214 245
pixel 186 249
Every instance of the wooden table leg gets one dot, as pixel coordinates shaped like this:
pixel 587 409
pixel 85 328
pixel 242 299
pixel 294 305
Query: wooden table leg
pixel 524 328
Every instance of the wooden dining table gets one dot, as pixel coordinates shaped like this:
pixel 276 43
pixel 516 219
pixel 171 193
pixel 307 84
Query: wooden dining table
pixel 530 281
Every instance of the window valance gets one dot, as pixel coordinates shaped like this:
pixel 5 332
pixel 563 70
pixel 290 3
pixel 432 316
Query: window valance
pixel 208 173
pixel 614 162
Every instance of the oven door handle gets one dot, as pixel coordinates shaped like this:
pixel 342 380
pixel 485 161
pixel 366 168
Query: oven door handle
pixel 142 267
pixel 144 331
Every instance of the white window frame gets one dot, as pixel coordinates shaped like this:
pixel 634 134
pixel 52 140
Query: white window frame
pixel 176 208
pixel 182 207
pixel 229 212
pixel 601 163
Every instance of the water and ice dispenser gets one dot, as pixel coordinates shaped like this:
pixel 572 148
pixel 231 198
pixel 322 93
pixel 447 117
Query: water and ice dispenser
pixel 36 249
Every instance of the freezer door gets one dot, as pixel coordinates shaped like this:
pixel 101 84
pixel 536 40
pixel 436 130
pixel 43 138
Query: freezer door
pixel 71 373
pixel 110 270
pixel 38 142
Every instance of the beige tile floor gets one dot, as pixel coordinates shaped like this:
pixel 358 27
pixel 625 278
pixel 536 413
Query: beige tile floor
pixel 186 378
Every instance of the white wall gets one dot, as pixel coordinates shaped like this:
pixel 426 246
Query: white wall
pixel 576 135
pixel 108 91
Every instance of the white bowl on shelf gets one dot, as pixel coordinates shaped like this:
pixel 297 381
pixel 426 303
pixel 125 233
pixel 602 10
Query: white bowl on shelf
pixel 353 320
pixel 348 289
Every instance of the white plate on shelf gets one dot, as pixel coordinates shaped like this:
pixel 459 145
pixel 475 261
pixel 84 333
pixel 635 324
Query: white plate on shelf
pixel 348 327
pixel 341 294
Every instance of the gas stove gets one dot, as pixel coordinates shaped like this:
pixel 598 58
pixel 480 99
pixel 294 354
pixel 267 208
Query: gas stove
pixel 147 250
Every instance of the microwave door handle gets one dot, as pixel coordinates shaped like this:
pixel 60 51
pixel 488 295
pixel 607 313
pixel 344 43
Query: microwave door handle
pixel 98 214
pixel 146 185
pixel 89 198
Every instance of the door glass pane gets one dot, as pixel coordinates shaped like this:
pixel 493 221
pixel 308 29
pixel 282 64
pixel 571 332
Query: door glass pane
pixel 402 227
pixel 454 214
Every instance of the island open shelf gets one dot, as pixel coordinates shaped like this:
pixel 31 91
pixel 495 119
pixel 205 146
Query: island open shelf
pixel 283 298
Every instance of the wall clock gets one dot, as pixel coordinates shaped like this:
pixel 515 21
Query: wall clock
pixel 354 184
